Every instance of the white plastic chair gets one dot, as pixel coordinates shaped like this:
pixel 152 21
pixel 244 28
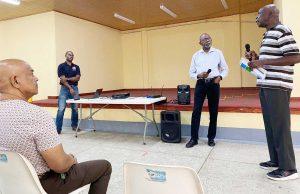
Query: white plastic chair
pixel 17 175
pixel 158 179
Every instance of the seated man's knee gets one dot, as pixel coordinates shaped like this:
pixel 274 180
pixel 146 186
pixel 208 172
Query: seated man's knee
pixel 108 166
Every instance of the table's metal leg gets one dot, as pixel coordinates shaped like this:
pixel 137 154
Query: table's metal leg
pixel 91 117
pixel 143 116
pixel 154 120
pixel 146 125
pixel 146 119
pixel 80 109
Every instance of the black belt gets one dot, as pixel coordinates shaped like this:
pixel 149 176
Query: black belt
pixel 207 80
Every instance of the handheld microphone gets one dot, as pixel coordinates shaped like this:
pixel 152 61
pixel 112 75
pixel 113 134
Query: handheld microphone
pixel 208 71
pixel 248 51
pixel 247 47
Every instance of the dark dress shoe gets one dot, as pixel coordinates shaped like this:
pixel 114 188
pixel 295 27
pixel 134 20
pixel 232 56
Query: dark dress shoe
pixel 211 143
pixel 191 143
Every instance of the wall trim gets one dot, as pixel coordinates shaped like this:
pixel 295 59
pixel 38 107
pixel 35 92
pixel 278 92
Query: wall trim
pixel 225 133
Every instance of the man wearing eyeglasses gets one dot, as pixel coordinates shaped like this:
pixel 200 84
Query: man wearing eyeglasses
pixel 208 67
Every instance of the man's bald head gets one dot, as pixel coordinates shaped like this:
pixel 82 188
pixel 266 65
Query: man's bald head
pixel 268 16
pixel 8 68
pixel 12 65
pixel 16 77
pixel 204 36
pixel 272 9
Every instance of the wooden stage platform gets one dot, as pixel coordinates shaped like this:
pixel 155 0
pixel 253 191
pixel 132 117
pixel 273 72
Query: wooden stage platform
pixel 242 100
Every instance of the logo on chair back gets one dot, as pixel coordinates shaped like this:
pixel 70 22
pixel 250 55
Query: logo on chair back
pixel 156 175
pixel 3 158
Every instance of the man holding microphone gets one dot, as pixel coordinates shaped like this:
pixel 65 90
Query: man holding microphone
pixel 277 55
pixel 208 67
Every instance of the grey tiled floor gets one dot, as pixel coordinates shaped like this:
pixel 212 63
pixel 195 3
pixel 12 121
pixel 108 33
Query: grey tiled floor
pixel 227 168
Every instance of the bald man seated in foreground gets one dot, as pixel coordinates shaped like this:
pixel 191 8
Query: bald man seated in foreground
pixel 29 130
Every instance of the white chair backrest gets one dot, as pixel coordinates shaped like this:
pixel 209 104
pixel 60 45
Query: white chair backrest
pixel 17 175
pixel 159 179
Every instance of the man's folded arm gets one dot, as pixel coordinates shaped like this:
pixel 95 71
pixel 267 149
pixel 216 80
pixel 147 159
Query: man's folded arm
pixel 57 159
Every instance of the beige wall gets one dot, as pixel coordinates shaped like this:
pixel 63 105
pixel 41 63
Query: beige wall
pixel 289 13
pixel 133 59
pixel 162 55
pixel 43 39
pixel 136 59
pixel 97 51
pixel 32 39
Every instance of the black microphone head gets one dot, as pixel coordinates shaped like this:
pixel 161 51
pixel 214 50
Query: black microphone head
pixel 247 46
pixel 208 71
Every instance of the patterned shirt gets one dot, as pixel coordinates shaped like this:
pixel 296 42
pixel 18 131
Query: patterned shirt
pixel 28 130
pixel 278 42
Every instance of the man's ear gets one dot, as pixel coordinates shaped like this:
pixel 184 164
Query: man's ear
pixel 14 81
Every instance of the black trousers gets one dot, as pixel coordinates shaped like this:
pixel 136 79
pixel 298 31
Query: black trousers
pixel 212 91
pixel 276 112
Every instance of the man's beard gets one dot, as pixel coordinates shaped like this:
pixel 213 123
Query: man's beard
pixel 207 46
pixel 261 24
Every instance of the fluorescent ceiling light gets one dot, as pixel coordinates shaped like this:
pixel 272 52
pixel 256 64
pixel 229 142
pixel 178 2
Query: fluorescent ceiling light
pixel 165 9
pixel 124 18
pixel 224 3
pixel 13 2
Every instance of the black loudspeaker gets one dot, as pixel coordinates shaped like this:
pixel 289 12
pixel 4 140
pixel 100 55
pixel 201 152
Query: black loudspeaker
pixel 170 126
pixel 184 94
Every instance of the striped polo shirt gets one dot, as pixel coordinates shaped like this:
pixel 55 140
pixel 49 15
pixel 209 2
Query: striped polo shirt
pixel 278 42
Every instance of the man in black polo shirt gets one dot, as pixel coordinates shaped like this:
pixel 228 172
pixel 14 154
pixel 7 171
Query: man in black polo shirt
pixel 69 75
pixel 278 54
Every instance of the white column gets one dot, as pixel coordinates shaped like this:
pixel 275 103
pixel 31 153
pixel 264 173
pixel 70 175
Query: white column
pixel 289 15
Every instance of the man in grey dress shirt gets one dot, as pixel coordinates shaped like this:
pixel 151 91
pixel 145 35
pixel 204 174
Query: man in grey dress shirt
pixel 208 67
